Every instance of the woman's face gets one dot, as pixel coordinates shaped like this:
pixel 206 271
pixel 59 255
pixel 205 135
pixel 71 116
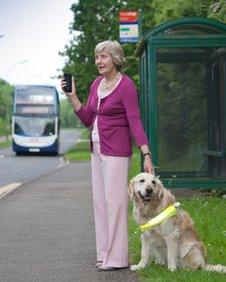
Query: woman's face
pixel 104 63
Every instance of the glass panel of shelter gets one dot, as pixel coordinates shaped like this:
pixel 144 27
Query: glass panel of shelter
pixel 190 141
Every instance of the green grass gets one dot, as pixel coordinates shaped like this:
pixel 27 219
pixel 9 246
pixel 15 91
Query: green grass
pixel 81 150
pixel 5 144
pixel 135 163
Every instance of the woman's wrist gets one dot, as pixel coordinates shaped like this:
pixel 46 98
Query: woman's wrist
pixel 75 102
pixel 145 151
pixel 72 96
pixel 147 154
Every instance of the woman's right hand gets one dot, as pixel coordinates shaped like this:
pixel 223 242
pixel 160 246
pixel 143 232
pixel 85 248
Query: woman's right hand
pixel 71 94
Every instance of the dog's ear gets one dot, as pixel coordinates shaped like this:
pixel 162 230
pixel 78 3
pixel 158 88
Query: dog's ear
pixel 131 188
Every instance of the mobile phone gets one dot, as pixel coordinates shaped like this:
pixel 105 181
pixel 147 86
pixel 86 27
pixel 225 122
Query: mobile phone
pixel 68 79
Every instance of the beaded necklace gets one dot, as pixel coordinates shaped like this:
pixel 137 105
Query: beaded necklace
pixel 108 85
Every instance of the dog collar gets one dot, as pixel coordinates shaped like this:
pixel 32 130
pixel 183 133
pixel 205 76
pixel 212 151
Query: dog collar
pixel 163 216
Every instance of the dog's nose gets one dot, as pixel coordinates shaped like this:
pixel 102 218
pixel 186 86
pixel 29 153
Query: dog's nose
pixel 149 190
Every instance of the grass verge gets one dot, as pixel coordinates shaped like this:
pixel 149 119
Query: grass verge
pixel 81 150
pixel 5 144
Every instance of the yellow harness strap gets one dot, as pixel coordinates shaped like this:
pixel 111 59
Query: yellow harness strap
pixel 163 216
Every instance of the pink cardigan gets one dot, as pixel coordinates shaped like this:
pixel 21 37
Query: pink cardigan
pixel 118 116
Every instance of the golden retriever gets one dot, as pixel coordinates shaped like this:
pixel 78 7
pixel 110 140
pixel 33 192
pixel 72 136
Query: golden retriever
pixel 175 242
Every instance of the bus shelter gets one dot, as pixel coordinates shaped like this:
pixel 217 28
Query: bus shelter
pixel 183 101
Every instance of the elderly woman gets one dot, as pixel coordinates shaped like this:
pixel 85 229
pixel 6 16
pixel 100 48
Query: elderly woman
pixel 112 114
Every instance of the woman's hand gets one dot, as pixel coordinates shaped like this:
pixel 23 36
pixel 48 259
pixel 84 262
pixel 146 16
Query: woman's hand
pixel 148 165
pixel 72 96
pixel 73 93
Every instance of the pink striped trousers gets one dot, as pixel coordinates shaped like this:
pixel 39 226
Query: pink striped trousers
pixel 109 184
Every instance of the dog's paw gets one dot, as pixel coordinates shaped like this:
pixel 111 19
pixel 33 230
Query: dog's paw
pixel 136 267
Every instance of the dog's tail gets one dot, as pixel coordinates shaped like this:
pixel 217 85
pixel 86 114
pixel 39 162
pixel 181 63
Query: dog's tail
pixel 216 268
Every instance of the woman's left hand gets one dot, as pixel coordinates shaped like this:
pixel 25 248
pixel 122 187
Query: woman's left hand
pixel 148 165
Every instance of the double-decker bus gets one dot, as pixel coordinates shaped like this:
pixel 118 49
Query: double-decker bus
pixel 35 121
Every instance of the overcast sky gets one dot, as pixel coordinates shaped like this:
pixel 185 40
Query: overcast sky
pixel 33 30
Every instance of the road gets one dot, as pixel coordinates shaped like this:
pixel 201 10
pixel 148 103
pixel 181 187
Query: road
pixel 16 170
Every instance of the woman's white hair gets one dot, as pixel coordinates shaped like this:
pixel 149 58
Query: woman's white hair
pixel 114 49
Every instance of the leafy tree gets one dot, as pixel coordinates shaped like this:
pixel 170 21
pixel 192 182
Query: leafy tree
pixel 218 10
pixel 5 107
pixel 165 10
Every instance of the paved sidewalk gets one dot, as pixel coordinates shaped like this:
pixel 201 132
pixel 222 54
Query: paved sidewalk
pixel 47 231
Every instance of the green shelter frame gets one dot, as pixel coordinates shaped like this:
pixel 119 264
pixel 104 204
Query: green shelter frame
pixel 183 101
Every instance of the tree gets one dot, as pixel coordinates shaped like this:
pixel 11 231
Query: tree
pixel 5 107
pixel 217 10
pixel 165 10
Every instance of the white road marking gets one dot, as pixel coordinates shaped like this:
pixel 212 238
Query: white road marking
pixel 8 188
pixel 62 163
pixel 1 156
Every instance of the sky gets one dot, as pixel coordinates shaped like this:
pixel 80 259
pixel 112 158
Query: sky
pixel 32 33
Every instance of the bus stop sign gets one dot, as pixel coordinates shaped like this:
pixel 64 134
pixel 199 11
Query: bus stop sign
pixel 128 26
